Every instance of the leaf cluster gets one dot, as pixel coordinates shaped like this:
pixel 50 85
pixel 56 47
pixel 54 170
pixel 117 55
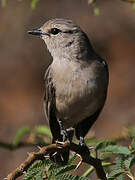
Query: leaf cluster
pixel 47 170
pixel 117 155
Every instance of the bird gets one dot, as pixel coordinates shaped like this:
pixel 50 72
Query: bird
pixel 76 83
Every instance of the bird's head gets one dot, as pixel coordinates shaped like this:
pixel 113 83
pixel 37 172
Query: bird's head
pixel 62 37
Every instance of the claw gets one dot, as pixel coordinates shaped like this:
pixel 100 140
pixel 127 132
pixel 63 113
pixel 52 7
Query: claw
pixel 28 153
pixel 47 156
pixel 61 157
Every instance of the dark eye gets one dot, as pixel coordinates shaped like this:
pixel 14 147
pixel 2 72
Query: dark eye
pixel 55 31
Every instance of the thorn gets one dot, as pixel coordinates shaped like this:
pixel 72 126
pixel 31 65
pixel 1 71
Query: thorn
pixel 132 178
pixel 80 162
pixel 60 143
pixel 79 155
pixel 47 156
pixel 39 147
pixel 78 165
pixel 59 147
pixel 61 157
pixel 28 153
pixel 54 154
pixel 56 141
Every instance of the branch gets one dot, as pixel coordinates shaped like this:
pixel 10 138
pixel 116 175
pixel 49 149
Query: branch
pixel 33 156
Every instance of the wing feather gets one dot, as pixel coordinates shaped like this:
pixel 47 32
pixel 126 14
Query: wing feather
pixel 50 105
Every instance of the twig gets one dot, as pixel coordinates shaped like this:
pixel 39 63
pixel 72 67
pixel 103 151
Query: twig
pixel 33 156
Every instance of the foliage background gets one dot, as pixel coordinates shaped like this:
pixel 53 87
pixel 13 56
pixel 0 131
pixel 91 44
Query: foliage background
pixel 23 60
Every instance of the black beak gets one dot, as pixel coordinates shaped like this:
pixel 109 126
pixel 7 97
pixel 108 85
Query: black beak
pixel 36 32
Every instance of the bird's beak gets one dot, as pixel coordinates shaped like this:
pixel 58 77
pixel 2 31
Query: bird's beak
pixel 36 32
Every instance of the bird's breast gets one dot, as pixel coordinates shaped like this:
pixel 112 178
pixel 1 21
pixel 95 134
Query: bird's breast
pixel 78 91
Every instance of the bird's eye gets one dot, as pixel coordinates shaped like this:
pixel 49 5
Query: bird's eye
pixel 55 31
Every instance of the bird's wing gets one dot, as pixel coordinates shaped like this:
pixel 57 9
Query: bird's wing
pixel 50 105
pixel 50 112
pixel 83 127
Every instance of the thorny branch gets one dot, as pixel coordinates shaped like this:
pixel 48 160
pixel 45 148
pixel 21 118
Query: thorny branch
pixel 44 151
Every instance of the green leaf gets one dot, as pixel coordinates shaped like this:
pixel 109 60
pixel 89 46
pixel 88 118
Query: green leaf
pixel 56 170
pixel 72 159
pixel 20 134
pixel 43 130
pixel 52 170
pixel 119 163
pixel 34 4
pixel 129 162
pixel 115 173
pixel 92 141
pixel 3 3
pixel 39 176
pixel 117 149
pixel 37 170
pixel 96 11
pixel 70 177
pixel 35 165
pixel 39 164
pixel 118 170
pixel 34 174
pixel 88 172
pixel 65 169
pixel 104 144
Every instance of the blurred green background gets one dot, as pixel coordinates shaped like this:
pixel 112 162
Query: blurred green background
pixel 24 58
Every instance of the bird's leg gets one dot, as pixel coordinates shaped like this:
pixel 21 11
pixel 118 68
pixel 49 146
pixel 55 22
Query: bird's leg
pixel 70 133
pixel 63 132
pixel 84 147
pixel 82 142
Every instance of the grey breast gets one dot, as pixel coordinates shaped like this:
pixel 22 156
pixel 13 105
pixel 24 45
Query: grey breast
pixel 80 89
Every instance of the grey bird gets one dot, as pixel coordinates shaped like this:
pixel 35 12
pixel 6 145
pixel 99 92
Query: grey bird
pixel 76 83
